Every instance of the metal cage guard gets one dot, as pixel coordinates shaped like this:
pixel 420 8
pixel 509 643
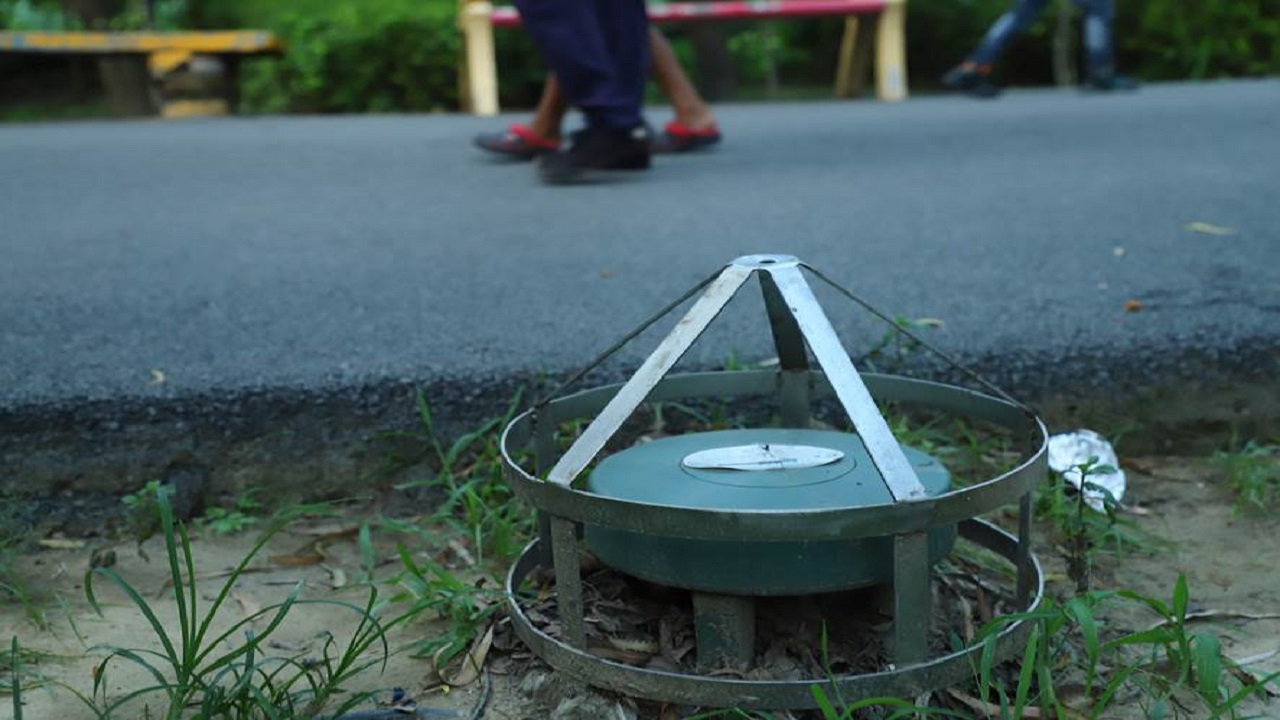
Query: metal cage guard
pixel 799 326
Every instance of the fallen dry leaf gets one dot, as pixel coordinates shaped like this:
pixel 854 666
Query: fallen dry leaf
pixel 988 709
pixel 330 531
pixel 298 560
pixel 288 645
pixel 1210 229
pixel 61 543
pixel 627 657
pixel 472 661
pixel 1248 678
pixel 337 577
pixel 313 552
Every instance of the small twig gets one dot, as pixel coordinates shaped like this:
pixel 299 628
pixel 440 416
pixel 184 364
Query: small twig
pixel 395 714
pixel 486 689
pixel 1217 615
pixel 199 577
pixel 1257 658
pixel 995 591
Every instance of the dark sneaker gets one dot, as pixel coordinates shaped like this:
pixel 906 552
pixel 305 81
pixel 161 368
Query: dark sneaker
pixel 517 142
pixel 971 82
pixel 1111 82
pixel 595 149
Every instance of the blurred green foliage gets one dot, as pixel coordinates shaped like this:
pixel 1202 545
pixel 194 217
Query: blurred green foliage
pixel 402 55
pixel 1176 39
pixel 48 15
pixel 366 56
pixel 34 15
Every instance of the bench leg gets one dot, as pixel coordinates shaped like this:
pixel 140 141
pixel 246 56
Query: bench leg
pixel 891 52
pixel 844 65
pixel 481 61
pixel 855 57
pixel 231 83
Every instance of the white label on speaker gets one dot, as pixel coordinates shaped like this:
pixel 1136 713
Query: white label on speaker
pixel 762 456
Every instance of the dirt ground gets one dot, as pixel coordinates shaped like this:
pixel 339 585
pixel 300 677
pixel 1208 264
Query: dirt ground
pixel 1230 561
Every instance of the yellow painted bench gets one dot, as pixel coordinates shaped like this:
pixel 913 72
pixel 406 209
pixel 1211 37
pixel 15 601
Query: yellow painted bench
pixel 886 28
pixel 164 52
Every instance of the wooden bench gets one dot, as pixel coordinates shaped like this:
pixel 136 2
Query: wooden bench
pixel 164 53
pixel 477 18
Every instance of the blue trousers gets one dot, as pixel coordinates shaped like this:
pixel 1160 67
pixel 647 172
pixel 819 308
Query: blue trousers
pixel 1099 17
pixel 599 51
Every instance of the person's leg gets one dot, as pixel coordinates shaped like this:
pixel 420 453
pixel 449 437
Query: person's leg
pixel 690 109
pixel 598 52
pixel 973 76
pixel 1017 20
pixel 1099 46
pixel 552 107
pixel 539 137
pixel 694 126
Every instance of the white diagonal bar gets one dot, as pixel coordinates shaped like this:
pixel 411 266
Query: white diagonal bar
pixel 655 367
pixel 884 449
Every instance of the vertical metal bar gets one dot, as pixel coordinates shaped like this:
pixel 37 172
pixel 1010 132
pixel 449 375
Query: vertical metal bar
pixel 793 359
pixel 544 439
pixel 669 351
pixel 911 599
pixel 545 556
pixel 544 452
pixel 564 546
pixel 884 449
pixel 725 626
pixel 1025 511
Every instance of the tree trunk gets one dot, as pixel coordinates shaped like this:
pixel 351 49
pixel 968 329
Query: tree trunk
pixel 125 78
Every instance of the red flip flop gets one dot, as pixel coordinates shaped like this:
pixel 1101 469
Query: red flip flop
pixel 678 138
pixel 517 141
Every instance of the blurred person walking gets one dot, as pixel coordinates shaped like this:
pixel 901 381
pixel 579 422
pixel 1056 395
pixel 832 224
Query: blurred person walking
pixel 973 76
pixel 599 53
pixel 693 128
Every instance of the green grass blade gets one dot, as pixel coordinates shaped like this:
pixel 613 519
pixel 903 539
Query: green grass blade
pixel 1251 688
pixel 1206 653
pixel 281 611
pixel 136 657
pixel 1112 687
pixel 190 636
pixel 824 703
pixel 986 664
pixel 1153 636
pixel 1027 672
pixel 1159 607
pixel 16 684
pixel 1080 611
pixel 428 425
pixel 230 583
pixel 157 627
pixel 178 581
pixel 1181 597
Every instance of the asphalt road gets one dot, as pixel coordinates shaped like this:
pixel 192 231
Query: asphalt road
pixel 236 255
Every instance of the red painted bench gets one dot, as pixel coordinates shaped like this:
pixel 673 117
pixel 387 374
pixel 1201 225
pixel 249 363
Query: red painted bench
pixel 478 18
